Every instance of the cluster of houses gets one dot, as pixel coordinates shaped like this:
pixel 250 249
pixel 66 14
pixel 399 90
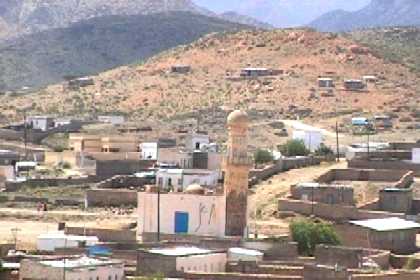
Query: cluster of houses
pixel 348 84
pixel 193 220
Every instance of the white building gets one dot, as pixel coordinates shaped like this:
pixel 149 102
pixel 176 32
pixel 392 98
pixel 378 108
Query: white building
pixel 197 141
pixel 179 179
pixel 42 123
pixel 81 268
pixel 352 150
pixel 182 213
pixel 149 151
pixel 114 120
pixel 311 138
pixel 241 254
pixel 182 259
pixel 48 242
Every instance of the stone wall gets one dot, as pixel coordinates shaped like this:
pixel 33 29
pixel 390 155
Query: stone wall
pixel 262 268
pixel 124 181
pixel 321 272
pixel 237 276
pixel 108 169
pixel 330 194
pixel 394 165
pixel 56 182
pixel 362 175
pixel 393 275
pixel 104 235
pixel 149 264
pixel 273 250
pixel 111 197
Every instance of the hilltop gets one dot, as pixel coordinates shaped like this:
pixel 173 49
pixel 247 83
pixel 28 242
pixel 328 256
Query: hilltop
pixel 150 91
pixel 99 44
pixel 378 13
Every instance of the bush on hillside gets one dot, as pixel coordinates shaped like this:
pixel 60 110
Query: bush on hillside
pixel 324 150
pixel 308 234
pixel 294 148
pixel 263 156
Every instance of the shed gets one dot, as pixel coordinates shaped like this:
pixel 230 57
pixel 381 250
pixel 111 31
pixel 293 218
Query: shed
pixel 325 82
pixel 354 85
pixel 394 234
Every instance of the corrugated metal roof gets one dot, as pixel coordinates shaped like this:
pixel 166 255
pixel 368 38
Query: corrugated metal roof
pixel 387 224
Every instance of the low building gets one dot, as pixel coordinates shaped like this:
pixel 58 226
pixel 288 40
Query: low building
pixel 181 69
pixel 325 82
pixel 114 120
pixel 192 212
pixel 396 200
pixel 255 72
pixel 415 156
pixel 149 151
pixel 42 123
pixel 322 193
pixel 394 234
pixel 244 255
pixel 371 79
pixel 172 262
pixel 49 242
pixel 80 268
pixel 383 122
pixel 179 179
pixel 8 157
pixel 197 141
pixel 360 121
pixel 354 85
pixel 106 144
pixel 77 83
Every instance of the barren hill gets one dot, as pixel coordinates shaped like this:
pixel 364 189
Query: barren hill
pixel 151 91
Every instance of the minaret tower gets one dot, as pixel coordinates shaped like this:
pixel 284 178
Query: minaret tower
pixel 236 166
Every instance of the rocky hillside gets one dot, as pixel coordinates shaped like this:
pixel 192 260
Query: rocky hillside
pixel 399 45
pixel 28 16
pixel 150 91
pixel 379 13
pixel 98 44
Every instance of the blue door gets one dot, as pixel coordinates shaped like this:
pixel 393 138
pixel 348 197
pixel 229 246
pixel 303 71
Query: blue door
pixel 181 222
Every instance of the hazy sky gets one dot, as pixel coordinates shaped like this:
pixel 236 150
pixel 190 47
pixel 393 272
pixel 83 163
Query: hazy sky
pixel 282 12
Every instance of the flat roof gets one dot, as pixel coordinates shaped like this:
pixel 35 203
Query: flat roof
pixel 79 262
pixel 181 251
pixel 247 252
pixel 60 235
pixel 387 224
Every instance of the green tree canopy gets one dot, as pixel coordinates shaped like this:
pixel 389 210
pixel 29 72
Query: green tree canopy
pixel 294 148
pixel 263 156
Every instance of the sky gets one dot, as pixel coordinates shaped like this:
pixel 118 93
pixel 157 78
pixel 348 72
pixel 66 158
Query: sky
pixel 282 13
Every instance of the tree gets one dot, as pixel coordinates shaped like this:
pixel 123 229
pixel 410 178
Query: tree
pixel 294 148
pixel 308 234
pixel 263 156
pixel 324 150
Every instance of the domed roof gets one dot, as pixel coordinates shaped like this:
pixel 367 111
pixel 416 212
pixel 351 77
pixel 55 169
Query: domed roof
pixel 194 189
pixel 237 116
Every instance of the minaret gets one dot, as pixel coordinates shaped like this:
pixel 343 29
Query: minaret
pixel 236 166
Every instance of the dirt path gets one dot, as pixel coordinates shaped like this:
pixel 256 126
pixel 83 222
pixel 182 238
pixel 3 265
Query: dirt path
pixel 263 203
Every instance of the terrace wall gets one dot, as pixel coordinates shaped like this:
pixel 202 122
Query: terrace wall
pixel 111 197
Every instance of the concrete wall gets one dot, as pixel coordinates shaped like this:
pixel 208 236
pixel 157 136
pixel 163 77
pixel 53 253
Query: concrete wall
pixel 111 197
pixel 39 183
pixel 150 264
pixel 124 181
pixel 394 275
pixel 273 250
pixel 202 263
pixel 324 194
pixel 362 175
pixel 332 212
pixel 382 164
pixel 54 158
pixel 264 268
pixel 104 235
pixel 207 214
pixel 237 276
pixel 396 201
pixel 108 169
pixel 321 272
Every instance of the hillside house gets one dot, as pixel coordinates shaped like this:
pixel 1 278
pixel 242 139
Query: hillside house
pixel 197 141
pixel 149 151
pixel 8 157
pixel 325 82
pixel 255 72
pixel 181 69
pixel 383 122
pixel 370 79
pixel 106 144
pixel 77 83
pixel 394 234
pixel 42 123
pixel 354 85
pixel 114 120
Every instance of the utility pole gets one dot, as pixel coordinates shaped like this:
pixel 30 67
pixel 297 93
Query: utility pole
pixel 25 134
pixel 338 144
pixel 158 213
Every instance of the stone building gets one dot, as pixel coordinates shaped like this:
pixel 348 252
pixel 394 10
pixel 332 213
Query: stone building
pixel 396 200
pixel 322 193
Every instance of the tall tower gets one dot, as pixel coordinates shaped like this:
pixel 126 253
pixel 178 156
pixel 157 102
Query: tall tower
pixel 236 166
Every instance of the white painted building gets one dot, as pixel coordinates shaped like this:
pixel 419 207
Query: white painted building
pixel 179 179
pixel 182 213
pixel 149 151
pixel 197 141
pixel 42 123
pixel 48 242
pixel 114 120
pixel 81 268
pixel 311 138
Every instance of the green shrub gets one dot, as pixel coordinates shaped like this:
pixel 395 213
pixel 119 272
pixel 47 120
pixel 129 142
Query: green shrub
pixel 410 264
pixel 308 234
pixel 263 156
pixel 324 150
pixel 294 148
